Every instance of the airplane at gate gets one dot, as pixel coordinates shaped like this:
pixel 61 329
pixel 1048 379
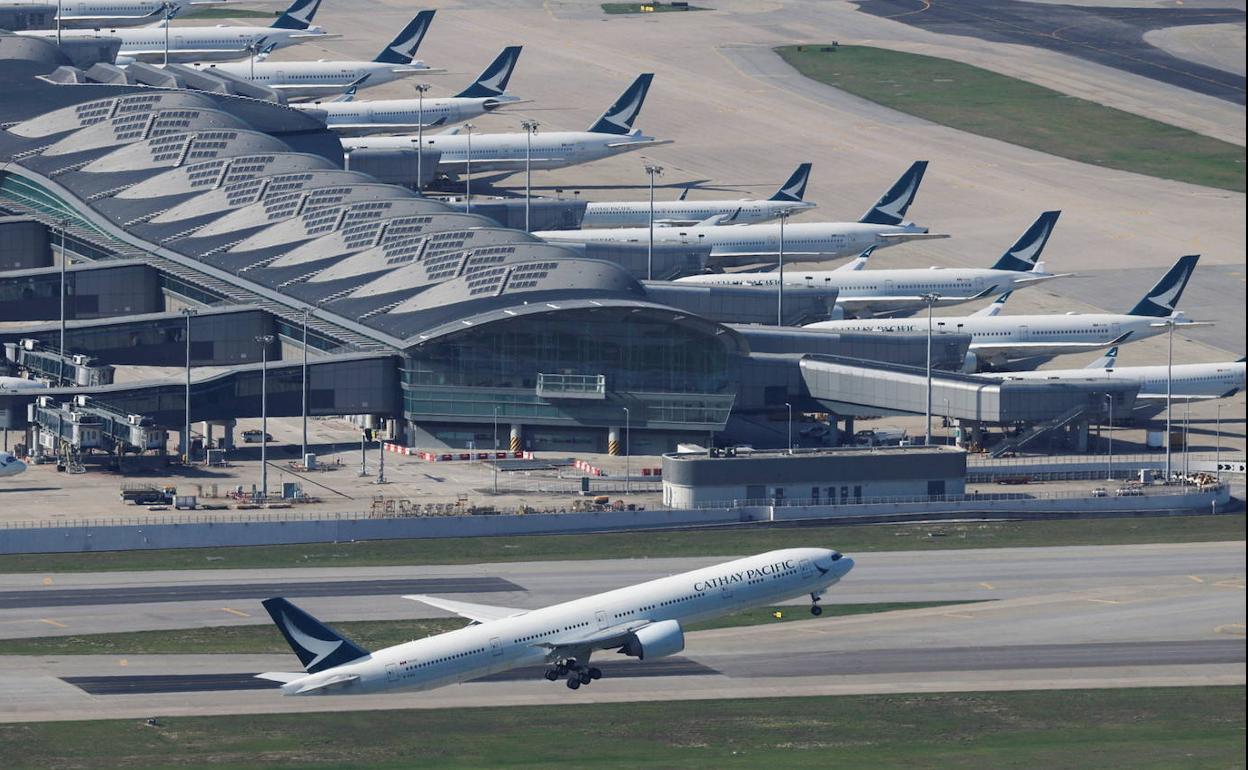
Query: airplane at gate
pixel 644 621
pixel 998 339
pixel 191 44
pixel 76 14
pixel 1187 382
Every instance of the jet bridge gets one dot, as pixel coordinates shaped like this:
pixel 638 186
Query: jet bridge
pixel 849 386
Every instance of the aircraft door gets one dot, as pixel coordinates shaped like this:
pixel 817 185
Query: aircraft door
pixel 392 672
pixel 496 647
pixel 804 570
pixel 601 616
pixel 1023 333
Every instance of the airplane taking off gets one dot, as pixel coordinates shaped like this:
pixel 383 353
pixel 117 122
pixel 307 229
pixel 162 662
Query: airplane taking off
pixel 998 339
pixel 1188 382
pixel 643 621
pixel 611 134
pixel 77 14
pixel 684 212
pixel 485 94
pixel 10 465
pixel 192 44
pixel 307 79
pixel 864 293
pixel 882 225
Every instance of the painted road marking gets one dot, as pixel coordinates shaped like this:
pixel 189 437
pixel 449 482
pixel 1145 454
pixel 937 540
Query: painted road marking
pixel 1236 629
pixel 1194 579
pixel 233 611
pixel 960 615
pixel 987 585
pixel 51 622
pixel 1104 601
pixel 1229 584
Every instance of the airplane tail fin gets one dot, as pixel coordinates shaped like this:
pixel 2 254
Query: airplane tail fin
pixel 493 80
pixel 318 646
pixel 858 262
pixel 891 208
pixel 1107 361
pixel 795 187
pixel 619 117
pixel 298 15
pixel 995 308
pixel 1022 256
pixel 349 94
pixel 402 49
pixel 1162 299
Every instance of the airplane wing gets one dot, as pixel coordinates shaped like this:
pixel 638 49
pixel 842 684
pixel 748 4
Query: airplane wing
pixel 1036 348
pixel 903 237
pixel 475 612
pixel 643 143
pixel 366 129
pixel 600 639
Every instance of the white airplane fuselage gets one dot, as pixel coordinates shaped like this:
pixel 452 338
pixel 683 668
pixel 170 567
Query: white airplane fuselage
pixel 305 79
pixel 875 291
pixel 1005 337
pixel 77 14
pixel 761 242
pixel 687 213
pixel 1188 381
pixel 189 44
pixel 522 640
pixel 378 115
pixel 506 152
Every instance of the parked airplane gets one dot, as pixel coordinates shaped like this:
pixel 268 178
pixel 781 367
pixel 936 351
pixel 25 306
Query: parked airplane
pixel 191 44
pixel 1188 382
pixel 997 340
pixel 864 293
pixel 20 383
pixel 115 13
pixel 685 213
pixel 611 134
pixel 642 621
pixel 304 79
pixel 882 225
pixel 10 465
pixel 485 94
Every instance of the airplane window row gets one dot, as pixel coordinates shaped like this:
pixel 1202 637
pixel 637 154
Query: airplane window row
pixel 434 662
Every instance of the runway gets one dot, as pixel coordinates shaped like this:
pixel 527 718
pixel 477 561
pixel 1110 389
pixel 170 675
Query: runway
pixel 1095 616
pixel 1110 36
pixel 233 592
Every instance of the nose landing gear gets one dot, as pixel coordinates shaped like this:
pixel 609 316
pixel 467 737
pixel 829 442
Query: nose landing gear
pixel 815 609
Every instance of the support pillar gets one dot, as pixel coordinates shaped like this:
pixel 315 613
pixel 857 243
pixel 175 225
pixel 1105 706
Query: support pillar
pixel 184 443
pixel 209 433
pixel 614 441
pixel 849 429
pixel 517 437
pixel 227 431
pixel 1079 436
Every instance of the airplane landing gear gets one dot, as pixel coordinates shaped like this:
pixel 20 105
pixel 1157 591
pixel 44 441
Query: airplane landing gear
pixel 815 609
pixel 576 674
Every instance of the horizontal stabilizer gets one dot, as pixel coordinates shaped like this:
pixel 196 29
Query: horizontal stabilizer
pixel 476 612
pixel 336 680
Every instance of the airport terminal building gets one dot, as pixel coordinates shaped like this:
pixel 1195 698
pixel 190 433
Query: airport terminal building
pixel 210 224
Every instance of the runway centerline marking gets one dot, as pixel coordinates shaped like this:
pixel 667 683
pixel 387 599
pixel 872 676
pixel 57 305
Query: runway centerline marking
pixel 51 622
pixel 961 615
pixel 987 585
pixel 1104 601
pixel 1195 579
pixel 1229 584
pixel 233 611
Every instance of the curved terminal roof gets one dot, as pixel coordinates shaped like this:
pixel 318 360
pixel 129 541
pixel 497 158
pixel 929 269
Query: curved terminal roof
pixel 137 126
pixel 218 173
pixel 306 171
pixel 89 113
pixel 473 265
pixel 439 251
pixel 172 150
pixel 382 235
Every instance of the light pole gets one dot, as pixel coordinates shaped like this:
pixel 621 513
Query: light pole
pixel 530 128
pixel 930 298
pixel 628 466
pixel 303 389
pixel 784 215
pixel 168 18
pixel 1169 387
pixel 265 340
pixel 420 136
pixel 64 222
pixel 790 408
pixel 468 173
pixel 1187 422
pixel 652 170
pixel 58 21
pixel 186 423
pixel 1217 450
pixel 1110 466
pixel 495 461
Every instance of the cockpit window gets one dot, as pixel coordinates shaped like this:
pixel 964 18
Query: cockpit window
pixel 836 556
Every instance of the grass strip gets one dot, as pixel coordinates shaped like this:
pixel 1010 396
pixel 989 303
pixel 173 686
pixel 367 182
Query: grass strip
pixel 1136 729
pixel 369 634
pixel 1001 107
pixel 726 541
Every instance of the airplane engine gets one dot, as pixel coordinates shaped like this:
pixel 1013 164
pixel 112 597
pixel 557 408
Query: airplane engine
pixel 656 640
pixel 970 364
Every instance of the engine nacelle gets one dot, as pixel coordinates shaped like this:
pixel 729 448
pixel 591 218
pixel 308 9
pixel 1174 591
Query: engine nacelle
pixel 970 364
pixel 656 640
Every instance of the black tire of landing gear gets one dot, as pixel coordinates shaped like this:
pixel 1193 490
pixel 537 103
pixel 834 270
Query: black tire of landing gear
pixel 585 677
pixel 551 675
pixel 595 673
pixel 816 610
pixel 574 683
